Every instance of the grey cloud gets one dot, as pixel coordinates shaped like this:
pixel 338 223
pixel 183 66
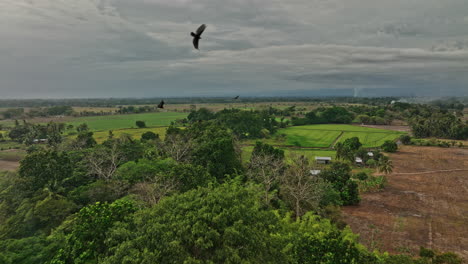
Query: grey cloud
pixel 143 48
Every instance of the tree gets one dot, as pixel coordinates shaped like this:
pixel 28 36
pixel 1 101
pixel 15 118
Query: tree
pixel 149 135
pixel 405 139
pixel 140 124
pixel 45 169
pixel 226 224
pixel 339 176
pixel 302 190
pixel 103 161
pixel 265 149
pixel 214 148
pixel 347 149
pixel 389 146
pixel 385 165
pixel 82 128
pixel 88 231
pixel 265 169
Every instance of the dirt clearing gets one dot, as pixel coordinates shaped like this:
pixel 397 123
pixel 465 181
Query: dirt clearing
pixel 425 204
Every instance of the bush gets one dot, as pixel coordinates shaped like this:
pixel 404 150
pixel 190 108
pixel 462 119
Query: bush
pixel 405 139
pixel 140 124
pixel 371 163
pixel 389 146
pixel 362 176
pixel 149 136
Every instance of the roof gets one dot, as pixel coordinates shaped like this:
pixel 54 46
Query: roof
pixel 322 158
pixel 315 172
pixel 370 154
pixel 358 159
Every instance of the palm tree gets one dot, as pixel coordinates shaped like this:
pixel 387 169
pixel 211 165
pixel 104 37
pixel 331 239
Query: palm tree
pixel 385 165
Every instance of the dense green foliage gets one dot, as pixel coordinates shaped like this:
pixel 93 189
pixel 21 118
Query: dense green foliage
pixel 186 197
pixel 389 146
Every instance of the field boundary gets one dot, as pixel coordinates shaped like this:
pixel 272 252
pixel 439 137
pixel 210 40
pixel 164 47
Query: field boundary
pixel 332 145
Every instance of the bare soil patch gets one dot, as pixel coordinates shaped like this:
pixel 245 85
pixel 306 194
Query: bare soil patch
pixel 8 165
pixel 424 204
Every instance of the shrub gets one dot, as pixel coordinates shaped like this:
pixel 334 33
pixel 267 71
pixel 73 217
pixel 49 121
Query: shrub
pixel 405 139
pixel 389 146
pixel 149 136
pixel 362 176
pixel 140 124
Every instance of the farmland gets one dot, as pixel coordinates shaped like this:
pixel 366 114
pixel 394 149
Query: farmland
pixel 324 136
pixel 423 204
pixel 135 133
pixel 114 122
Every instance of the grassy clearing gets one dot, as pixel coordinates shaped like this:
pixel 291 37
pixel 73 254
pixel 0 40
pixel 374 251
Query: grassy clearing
pixel 101 136
pixel 115 122
pixel 11 145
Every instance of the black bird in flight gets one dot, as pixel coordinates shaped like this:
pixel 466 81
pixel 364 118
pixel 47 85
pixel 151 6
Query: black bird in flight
pixel 235 98
pixel 161 104
pixel 197 36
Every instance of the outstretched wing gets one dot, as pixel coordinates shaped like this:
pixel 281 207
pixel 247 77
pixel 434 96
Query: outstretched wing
pixel 195 42
pixel 201 29
pixel 161 104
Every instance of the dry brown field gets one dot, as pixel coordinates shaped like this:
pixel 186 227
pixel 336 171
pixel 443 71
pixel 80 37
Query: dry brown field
pixel 424 204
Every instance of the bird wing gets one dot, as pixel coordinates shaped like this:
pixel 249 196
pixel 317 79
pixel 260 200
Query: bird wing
pixel 201 29
pixel 195 42
pixel 161 104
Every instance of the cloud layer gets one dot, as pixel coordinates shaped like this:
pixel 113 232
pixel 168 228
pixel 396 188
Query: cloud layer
pixel 142 48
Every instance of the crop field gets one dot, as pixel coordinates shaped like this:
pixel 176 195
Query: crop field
pixel 114 122
pixel 322 136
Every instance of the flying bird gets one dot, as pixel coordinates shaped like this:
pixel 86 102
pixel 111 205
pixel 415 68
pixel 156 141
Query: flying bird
pixel 197 36
pixel 161 104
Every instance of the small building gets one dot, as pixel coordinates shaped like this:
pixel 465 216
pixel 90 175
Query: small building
pixel 323 160
pixel 370 154
pixel 40 140
pixel 358 160
pixel 315 172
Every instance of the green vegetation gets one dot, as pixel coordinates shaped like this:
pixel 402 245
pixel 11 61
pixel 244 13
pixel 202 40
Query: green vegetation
pixel 110 193
pixel 114 122
pixel 325 135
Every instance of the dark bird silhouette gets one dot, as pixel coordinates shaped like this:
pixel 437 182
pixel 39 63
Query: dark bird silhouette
pixel 235 98
pixel 197 36
pixel 161 104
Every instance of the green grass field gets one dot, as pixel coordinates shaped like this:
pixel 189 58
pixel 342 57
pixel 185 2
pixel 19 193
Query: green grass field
pixel 114 122
pixel 101 136
pixel 321 136
pixel 324 136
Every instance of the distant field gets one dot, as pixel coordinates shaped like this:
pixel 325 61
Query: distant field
pixel 288 152
pixel 325 135
pixel 114 122
pixel 136 133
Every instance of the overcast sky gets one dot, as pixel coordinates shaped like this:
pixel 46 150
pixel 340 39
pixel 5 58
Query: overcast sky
pixel 142 48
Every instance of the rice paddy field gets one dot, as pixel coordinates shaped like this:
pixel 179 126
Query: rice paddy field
pixel 323 136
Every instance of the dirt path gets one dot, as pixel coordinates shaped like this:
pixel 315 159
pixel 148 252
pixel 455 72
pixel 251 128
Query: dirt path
pixel 424 203
pixel 427 172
